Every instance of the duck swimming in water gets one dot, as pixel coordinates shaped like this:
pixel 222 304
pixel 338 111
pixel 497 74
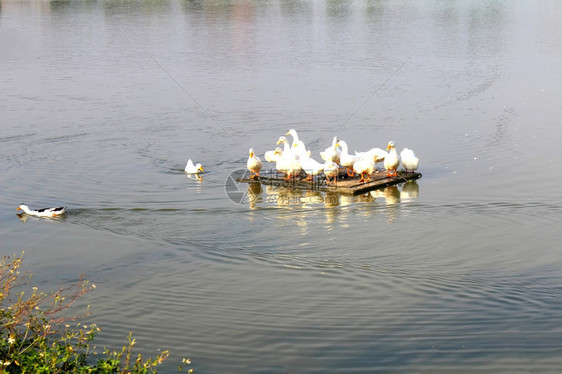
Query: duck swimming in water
pixel 193 169
pixel 45 212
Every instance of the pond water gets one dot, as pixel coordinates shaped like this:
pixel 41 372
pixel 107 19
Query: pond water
pixel 103 102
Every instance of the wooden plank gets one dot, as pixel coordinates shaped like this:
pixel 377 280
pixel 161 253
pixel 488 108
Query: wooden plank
pixel 344 184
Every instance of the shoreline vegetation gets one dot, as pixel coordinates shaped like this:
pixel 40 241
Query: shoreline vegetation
pixel 34 338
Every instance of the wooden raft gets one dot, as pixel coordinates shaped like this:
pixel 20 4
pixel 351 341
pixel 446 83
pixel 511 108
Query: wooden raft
pixel 344 183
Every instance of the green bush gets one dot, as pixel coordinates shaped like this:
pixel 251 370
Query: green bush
pixel 34 339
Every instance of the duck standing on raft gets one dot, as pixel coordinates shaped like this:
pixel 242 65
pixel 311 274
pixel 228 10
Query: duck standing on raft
pixel 254 164
pixel 391 161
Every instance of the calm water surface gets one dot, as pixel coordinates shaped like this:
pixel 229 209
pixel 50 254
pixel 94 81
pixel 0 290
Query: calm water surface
pixel 103 102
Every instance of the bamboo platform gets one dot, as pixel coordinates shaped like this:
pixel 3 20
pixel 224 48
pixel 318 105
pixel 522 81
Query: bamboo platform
pixel 344 184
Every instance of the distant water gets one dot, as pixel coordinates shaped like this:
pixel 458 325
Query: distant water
pixel 103 102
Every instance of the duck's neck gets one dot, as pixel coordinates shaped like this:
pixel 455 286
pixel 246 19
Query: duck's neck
pixel 343 147
pixel 25 209
pixel 295 136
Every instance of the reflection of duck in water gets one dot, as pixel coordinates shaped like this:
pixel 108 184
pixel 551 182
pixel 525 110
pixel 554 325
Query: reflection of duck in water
pixel 365 198
pixel 346 199
pixel 254 193
pixel 198 177
pixel 312 198
pixel 392 200
pixel 410 191
pixel 390 194
pixel 283 196
pixel 332 199
pixel 23 217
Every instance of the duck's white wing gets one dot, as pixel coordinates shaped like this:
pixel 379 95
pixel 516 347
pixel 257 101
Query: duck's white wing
pixel 189 167
pixel 271 156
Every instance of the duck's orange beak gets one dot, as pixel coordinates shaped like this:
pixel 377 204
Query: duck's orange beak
pixel 388 147
pixel 251 154
pixel 18 208
pixel 201 168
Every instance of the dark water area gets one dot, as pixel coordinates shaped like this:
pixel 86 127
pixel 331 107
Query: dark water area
pixel 103 102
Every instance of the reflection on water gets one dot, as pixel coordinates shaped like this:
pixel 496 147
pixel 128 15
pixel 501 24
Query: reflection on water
pixel 328 210
pixel 253 196
pixel 333 204
pixel 197 177
pixel 25 217
pixel 197 182
pixel 391 196
pixel 410 191
pixel 294 197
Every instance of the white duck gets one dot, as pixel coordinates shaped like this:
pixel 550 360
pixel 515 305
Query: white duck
pixel 288 164
pixel 409 160
pixel 331 170
pixel 254 164
pixel 286 147
pixel 333 152
pixel 193 169
pixel 374 153
pixel 365 166
pixel 276 156
pixel 347 160
pixel 310 165
pixel 281 160
pixel 271 156
pixel 391 161
pixel 298 145
pixel 45 212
